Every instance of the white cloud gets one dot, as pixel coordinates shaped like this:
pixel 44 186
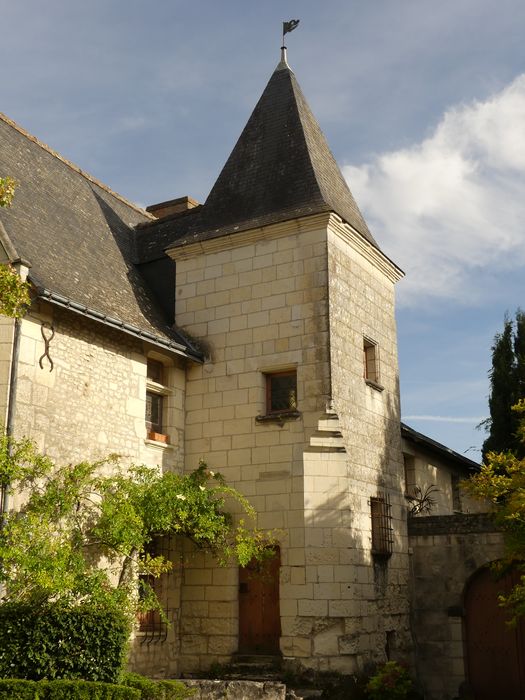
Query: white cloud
pixel 446 419
pixel 451 209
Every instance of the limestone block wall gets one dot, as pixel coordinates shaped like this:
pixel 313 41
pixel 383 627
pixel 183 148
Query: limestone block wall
pixel 361 298
pixel 258 302
pixel 429 470
pixel 155 651
pixel 93 401
pixel 314 625
pixel 92 404
pixel 445 552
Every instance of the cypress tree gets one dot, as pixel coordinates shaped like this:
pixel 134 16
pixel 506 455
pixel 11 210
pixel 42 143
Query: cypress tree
pixel 507 386
pixel 519 354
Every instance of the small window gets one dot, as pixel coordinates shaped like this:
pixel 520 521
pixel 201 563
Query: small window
pixel 382 541
pixel 410 474
pixel 155 400
pixel 154 410
pixel 456 493
pixel 370 361
pixel 281 392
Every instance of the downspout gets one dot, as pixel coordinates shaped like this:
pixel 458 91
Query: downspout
pixel 22 267
pixel 13 379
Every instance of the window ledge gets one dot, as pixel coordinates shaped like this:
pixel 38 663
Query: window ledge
pixel 374 385
pixel 157 388
pixel 158 443
pixel 279 418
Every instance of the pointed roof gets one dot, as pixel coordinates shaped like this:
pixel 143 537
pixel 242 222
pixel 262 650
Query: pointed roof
pixel 280 168
pixel 282 163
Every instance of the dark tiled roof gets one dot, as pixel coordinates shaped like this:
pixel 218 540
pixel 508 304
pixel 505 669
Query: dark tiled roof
pixel 438 449
pixel 281 168
pixel 78 237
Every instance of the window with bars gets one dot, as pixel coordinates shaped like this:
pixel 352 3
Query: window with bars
pixel 382 533
pixel 281 392
pixel 152 624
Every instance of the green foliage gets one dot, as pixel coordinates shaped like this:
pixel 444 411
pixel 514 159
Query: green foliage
pixel 507 386
pixel 157 690
pixel 84 531
pixel 390 682
pixel 501 481
pixel 7 191
pixel 54 641
pixel 14 293
pixel 15 689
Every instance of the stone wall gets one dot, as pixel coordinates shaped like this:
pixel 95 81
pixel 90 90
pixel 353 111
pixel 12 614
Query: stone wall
pixel 236 690
pixel 298 295
pixel 445 552
pixel 429 470
pixel 92 403
pixel 258 303
pixel 374 592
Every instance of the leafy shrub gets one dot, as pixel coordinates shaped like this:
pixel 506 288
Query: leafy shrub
pixel 157 690
pixel 55 641
pixel 16 689
pixel 390 682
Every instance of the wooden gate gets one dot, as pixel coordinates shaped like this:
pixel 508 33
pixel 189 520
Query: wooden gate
pixel 259 616
pixel 495 651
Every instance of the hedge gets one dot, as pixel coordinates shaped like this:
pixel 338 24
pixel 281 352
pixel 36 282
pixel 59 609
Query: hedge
pixel 15 689
pixel 55 641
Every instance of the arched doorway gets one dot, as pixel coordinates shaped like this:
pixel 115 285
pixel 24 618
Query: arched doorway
pixel 495 652
pixel 259 616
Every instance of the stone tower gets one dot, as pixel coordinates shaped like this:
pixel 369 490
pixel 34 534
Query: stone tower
pixel 280 280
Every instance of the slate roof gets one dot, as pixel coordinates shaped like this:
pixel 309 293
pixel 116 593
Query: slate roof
pixel 438 449
pixel 78 237
pixel 281 168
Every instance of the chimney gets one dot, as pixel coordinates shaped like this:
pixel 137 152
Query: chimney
pixel 172 206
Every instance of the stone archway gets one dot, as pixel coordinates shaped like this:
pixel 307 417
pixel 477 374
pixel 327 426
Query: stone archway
pixel 495 652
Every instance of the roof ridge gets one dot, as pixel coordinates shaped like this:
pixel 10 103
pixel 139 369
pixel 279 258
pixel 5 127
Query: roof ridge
pixel 73 167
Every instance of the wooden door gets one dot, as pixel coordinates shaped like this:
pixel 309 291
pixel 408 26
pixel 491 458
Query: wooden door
pixel 259 616
pixel 495 651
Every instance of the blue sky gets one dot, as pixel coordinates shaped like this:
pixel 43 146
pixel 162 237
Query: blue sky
pixel 423 105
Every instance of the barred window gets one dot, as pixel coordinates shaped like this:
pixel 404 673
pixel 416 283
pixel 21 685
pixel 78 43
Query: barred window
pixel 152 625
pixel 281 392
pixel 381 511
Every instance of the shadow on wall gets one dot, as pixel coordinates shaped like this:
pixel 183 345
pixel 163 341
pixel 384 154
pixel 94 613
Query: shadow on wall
pixel 356 555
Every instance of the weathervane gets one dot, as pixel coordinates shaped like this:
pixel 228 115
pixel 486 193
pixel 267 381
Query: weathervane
pixel 289 27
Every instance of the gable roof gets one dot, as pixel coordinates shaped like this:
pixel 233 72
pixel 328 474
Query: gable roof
pixel 281 168
pixel 78 237
pixel 439 450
